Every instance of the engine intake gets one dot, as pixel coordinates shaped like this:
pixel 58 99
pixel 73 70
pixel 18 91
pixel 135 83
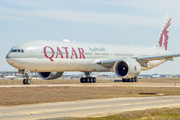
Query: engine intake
pixel 127 68
pixel 50 75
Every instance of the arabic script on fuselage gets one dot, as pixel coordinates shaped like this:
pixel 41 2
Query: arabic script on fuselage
pixel 94 49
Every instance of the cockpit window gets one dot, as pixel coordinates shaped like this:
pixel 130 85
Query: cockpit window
pixel 14 50
pixel 17 50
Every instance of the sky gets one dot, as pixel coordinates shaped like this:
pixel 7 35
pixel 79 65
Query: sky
pixel 127 22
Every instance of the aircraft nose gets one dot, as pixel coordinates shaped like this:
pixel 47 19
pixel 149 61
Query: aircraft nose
pixel 9 59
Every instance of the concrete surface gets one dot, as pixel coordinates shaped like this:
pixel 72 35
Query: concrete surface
pixel 85 108
pixel 133 84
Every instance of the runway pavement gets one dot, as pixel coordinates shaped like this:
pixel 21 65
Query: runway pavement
pixel 86 108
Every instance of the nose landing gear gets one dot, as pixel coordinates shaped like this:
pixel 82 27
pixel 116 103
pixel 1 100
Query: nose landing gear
pixel 26 80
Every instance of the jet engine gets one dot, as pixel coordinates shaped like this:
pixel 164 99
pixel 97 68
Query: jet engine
pixel 50 75
pixel 127 68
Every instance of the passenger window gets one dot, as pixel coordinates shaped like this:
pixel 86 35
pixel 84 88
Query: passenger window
pixel 22 50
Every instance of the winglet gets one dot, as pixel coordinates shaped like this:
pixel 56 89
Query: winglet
pixel 162 41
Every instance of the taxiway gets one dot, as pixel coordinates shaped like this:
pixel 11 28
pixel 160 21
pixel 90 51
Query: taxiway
pixel 138 84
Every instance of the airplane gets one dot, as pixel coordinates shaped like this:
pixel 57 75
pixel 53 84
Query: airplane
pixel 76 76
pixel 112 76
pixel 155 75
pixel 51 58
pixel 94 74
pixel 11 76
pixel 1 76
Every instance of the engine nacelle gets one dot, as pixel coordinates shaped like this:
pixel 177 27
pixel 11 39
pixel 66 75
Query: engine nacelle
pixel 127 68
pixel 50 75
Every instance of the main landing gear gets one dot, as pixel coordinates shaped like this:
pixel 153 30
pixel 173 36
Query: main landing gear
pixel 135 79
pixel 88 78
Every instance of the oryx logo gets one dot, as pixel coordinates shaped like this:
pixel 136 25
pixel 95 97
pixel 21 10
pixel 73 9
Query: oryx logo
pixel 164 35
pixel 135 67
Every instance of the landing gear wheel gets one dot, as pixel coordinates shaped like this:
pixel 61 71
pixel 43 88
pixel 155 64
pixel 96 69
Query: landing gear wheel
pixel 81 80
pixel 89 80
pixel 28 81
pixel 128 80
pixel 136 79
pixel 133 79
pixel 123 80
pixel 94 80
pixel 24 81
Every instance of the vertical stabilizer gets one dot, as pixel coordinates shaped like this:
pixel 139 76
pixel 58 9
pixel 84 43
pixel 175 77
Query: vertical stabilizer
pixel 162 41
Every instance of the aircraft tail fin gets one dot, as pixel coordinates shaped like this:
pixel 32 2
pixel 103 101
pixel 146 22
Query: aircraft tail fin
pixel 162 40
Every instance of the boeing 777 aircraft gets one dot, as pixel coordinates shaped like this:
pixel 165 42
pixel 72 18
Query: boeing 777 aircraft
pixel 51 58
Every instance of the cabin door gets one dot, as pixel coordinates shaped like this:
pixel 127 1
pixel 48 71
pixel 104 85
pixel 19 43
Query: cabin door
pixel 110 54
pixel 40 53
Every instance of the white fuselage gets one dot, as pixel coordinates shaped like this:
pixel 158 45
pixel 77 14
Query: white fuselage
pixel 49 56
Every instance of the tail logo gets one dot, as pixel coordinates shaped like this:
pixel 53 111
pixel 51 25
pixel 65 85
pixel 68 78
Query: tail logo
pixel 166 37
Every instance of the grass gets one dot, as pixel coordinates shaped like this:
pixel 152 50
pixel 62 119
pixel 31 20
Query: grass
pixel 32 95
pixel 149 114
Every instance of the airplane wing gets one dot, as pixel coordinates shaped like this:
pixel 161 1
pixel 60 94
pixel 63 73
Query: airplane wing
pixel 111 63
pixel 158 57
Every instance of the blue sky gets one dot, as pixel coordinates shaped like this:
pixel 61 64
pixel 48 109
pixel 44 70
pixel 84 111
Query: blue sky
pixel 129 22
